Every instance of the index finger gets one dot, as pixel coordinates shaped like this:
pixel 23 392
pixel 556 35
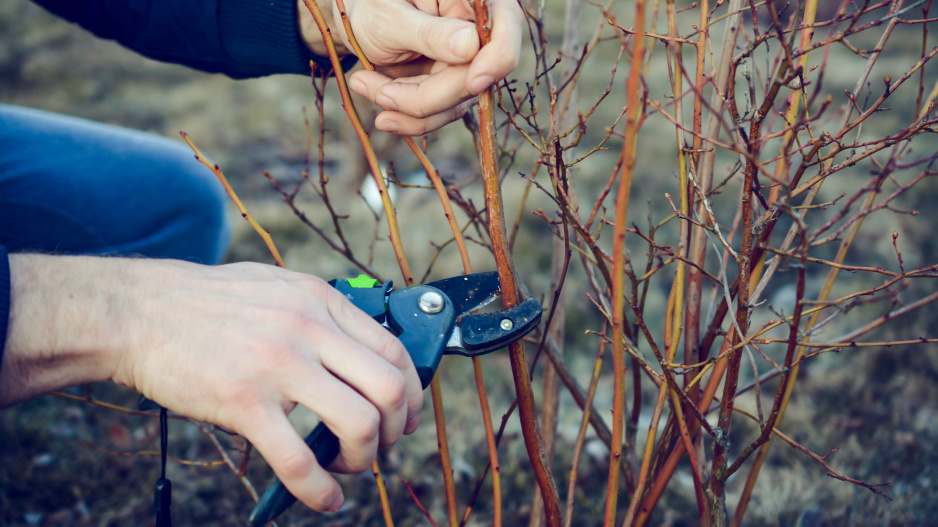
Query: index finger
pixel 291 459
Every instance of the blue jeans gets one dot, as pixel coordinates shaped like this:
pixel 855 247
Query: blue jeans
pixel 71 186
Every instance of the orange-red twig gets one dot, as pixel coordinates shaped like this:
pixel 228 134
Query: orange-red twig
pixel 510 296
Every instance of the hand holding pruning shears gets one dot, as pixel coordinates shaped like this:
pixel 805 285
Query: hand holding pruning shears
pixel 240 345
pixel 235 345
pixel 430 320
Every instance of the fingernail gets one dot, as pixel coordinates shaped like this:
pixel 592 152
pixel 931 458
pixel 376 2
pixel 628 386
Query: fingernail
pixel 385 102
pixel 388 125
pixel 412 424
pixel 336 503
pixel 479 84
pixel 461 42
pixel 358 87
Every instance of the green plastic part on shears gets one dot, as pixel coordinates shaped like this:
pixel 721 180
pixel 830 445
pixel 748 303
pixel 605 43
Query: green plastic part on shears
pixel 362 281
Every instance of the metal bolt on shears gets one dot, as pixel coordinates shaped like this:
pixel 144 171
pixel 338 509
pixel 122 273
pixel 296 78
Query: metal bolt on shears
pixel 431 320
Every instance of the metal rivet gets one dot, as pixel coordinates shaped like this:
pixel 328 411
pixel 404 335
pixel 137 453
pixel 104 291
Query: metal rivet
pixel 507 324
pixel 431 302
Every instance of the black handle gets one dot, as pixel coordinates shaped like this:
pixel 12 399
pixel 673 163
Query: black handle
pixel 276 498
pixel 162 502
pixel 423 334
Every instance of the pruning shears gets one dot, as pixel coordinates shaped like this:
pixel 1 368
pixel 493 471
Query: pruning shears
pixel 431 320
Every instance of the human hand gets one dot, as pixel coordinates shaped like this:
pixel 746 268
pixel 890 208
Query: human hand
pixel 237 345
pixel 428 58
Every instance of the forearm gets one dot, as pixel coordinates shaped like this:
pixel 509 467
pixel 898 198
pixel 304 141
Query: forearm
pixel 235 345
pixel 240 38
pixel 66 324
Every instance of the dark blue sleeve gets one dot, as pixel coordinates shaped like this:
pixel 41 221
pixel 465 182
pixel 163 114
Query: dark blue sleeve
pixel 240 38
pixel 4 299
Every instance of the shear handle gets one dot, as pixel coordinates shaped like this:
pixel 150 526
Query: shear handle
pixel 424 335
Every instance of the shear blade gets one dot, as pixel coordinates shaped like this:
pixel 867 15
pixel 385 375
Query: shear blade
pixel 470 292
pixel 483 333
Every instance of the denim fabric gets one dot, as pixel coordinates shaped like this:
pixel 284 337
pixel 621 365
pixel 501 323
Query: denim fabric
pixel 73 186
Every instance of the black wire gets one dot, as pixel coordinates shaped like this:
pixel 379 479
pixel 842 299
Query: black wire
pixel 164 440
pixel 162 497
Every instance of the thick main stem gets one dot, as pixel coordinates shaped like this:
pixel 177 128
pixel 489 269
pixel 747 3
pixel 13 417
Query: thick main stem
pixel 496 215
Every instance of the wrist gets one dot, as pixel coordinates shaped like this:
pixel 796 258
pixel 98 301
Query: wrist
pixel 67 323
pixel 310 31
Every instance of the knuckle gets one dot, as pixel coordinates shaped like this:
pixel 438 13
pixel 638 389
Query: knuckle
pixel 430 36
pixel 392 391
pixel 240 400
pixel 360 456
pixel 338 304
pixel 314 285
pixel 300 321
pixel 294 465
pixel 393 351
pixel 275 356
pixel 364 428
pixel 416 107
pixel 242 395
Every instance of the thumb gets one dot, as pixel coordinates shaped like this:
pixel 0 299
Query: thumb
pixel 448 40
